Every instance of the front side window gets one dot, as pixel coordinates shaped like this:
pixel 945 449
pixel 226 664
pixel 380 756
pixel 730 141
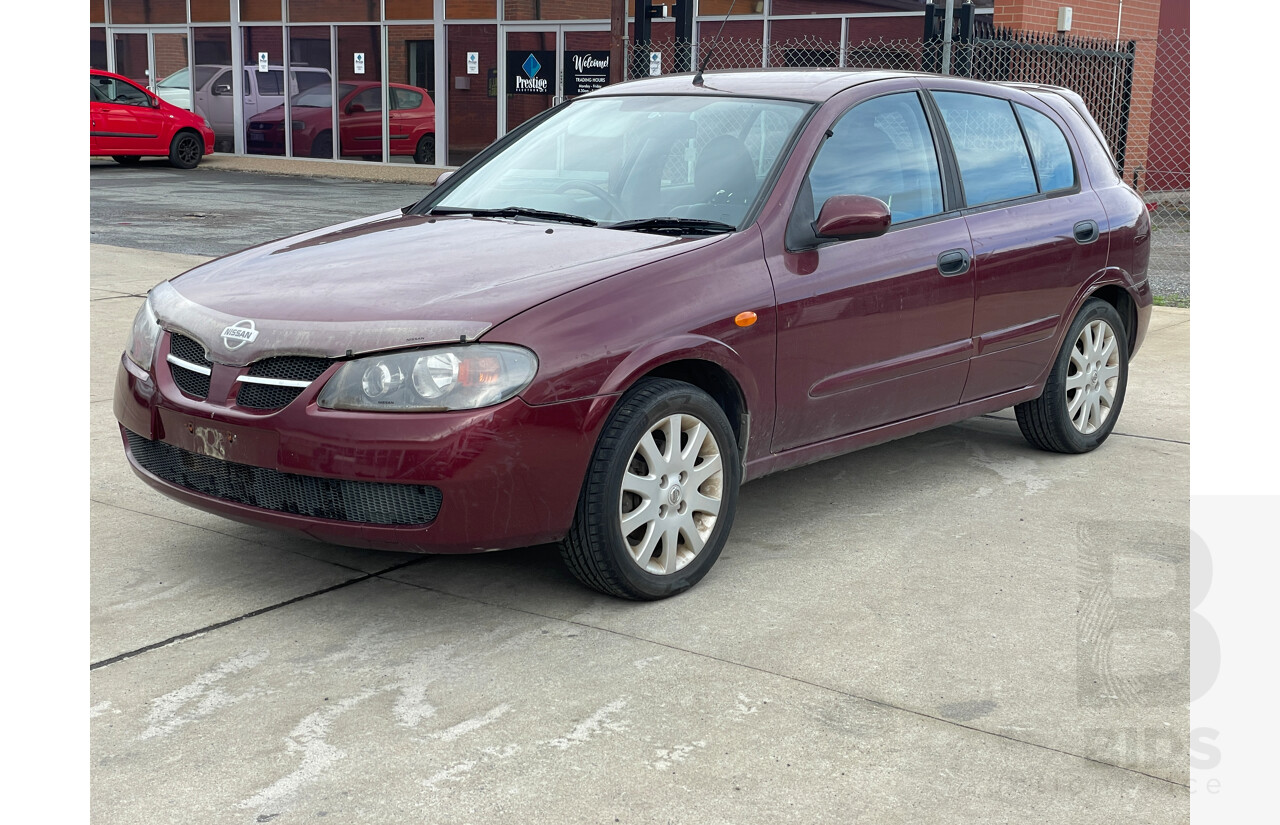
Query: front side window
pixel 1049 148
pixel 993 158
pixel 882 148
pixel 110 90
pixel 369 100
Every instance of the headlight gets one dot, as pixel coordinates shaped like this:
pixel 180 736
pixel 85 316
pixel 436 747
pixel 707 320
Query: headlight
pixel 141 347
pixel 299 126
pixel 462 377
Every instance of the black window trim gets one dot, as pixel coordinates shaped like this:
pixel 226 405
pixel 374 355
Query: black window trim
pixel 949 157
pixel 804 237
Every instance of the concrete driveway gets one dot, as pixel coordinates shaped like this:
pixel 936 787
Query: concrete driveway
pixel 953 627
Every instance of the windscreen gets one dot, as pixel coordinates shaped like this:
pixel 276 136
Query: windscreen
pixel 620 159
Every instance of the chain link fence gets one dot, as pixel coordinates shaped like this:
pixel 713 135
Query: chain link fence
pixel 1137 92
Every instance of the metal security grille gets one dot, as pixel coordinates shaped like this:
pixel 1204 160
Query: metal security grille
pixel 361 502
pixel 1137 89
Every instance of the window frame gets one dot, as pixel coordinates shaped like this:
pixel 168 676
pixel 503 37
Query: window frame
pixel 1014 100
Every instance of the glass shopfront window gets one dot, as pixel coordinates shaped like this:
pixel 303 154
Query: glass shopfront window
pixel 210 11
pixel 333 11
pixel 130 12
pixel 260 11
pixel 328 57
pixel 555 9
pixel 410 9
pixel 98 49
pixel 411 68
pixel 471 9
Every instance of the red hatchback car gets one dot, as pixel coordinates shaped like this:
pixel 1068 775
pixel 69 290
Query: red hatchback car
pixel 598 329
pixel 412 123
pixel 128 123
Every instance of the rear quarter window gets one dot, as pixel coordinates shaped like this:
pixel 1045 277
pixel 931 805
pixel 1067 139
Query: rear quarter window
pixel 1049 148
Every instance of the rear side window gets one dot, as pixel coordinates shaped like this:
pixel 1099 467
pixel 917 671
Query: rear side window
pixel 882 148
pixel 405 99
pixel 1049 149
pixel 993 158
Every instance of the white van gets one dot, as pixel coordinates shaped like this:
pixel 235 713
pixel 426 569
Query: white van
pixel 211 89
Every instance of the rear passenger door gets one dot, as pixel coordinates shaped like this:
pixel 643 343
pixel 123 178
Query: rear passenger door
pixel 1037 233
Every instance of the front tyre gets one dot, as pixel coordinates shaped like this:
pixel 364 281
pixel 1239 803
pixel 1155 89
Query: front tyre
pixel 186 150
pixel 1085 390
pixel 660 494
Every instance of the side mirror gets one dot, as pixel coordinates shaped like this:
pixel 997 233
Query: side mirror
pixel 355 108
pixel 444 176
pixel 845 217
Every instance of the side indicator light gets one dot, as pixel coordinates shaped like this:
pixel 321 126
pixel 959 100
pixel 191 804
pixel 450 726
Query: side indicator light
pixel 745 319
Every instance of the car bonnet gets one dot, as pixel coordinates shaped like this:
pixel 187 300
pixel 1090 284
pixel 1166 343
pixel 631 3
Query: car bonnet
pixel 391 281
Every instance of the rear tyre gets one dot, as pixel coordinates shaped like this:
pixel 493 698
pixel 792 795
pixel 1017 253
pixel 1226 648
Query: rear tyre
pixel 660 494
pixel 185 150
pixel 127 160
pixel 426 149
pixel 1082 398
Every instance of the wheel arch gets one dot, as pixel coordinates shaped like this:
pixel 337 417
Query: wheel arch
pixel 705 363
pixel 1125 306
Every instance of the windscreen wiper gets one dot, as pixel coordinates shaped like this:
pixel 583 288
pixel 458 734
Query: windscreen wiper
pixel 513 212
pixel 675 226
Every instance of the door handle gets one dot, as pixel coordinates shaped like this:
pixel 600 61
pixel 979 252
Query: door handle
pixel 1086 232
pixel 953 262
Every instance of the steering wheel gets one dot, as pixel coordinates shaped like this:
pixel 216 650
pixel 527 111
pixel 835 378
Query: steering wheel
pixel 591 189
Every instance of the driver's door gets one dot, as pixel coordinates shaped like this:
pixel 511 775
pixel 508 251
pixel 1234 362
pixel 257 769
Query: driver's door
pixel 123 118
pixel 360 123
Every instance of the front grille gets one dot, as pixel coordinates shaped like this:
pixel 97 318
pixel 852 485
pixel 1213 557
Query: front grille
pixel 266 396
pixel 284 368
pixel 290 368
pixel 188 349
pixel 361 502
pixel 189 381
pixel 192 383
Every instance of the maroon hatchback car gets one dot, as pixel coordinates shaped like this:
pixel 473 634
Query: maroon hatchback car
pixel 599 328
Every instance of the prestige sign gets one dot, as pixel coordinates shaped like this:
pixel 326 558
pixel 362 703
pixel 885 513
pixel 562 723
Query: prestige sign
pixel 531 72
pixel 585 71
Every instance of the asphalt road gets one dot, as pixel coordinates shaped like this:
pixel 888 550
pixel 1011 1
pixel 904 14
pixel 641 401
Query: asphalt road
pixel 952 627
pixel 215 212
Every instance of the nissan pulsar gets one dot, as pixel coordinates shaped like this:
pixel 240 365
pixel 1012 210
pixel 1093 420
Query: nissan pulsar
pixel 597 330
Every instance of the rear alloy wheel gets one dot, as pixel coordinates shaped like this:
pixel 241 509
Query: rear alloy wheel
pixel 127 160
pixel 185 150
pixel 426 149
pixel 1084 393
pixel 660 494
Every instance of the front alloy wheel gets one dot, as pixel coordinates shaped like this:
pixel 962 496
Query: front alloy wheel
pixel 185 150
pixel 660 494
pixel 1084 392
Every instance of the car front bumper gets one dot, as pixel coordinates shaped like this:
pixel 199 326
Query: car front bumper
pixel 456 482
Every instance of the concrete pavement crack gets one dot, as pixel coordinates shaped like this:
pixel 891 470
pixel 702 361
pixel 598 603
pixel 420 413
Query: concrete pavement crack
pixel 251 614
pixel 827 688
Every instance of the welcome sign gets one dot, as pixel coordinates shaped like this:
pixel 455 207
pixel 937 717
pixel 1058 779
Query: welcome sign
pixel 585 71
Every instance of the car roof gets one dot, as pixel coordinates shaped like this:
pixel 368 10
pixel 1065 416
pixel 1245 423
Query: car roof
pixel 814 85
